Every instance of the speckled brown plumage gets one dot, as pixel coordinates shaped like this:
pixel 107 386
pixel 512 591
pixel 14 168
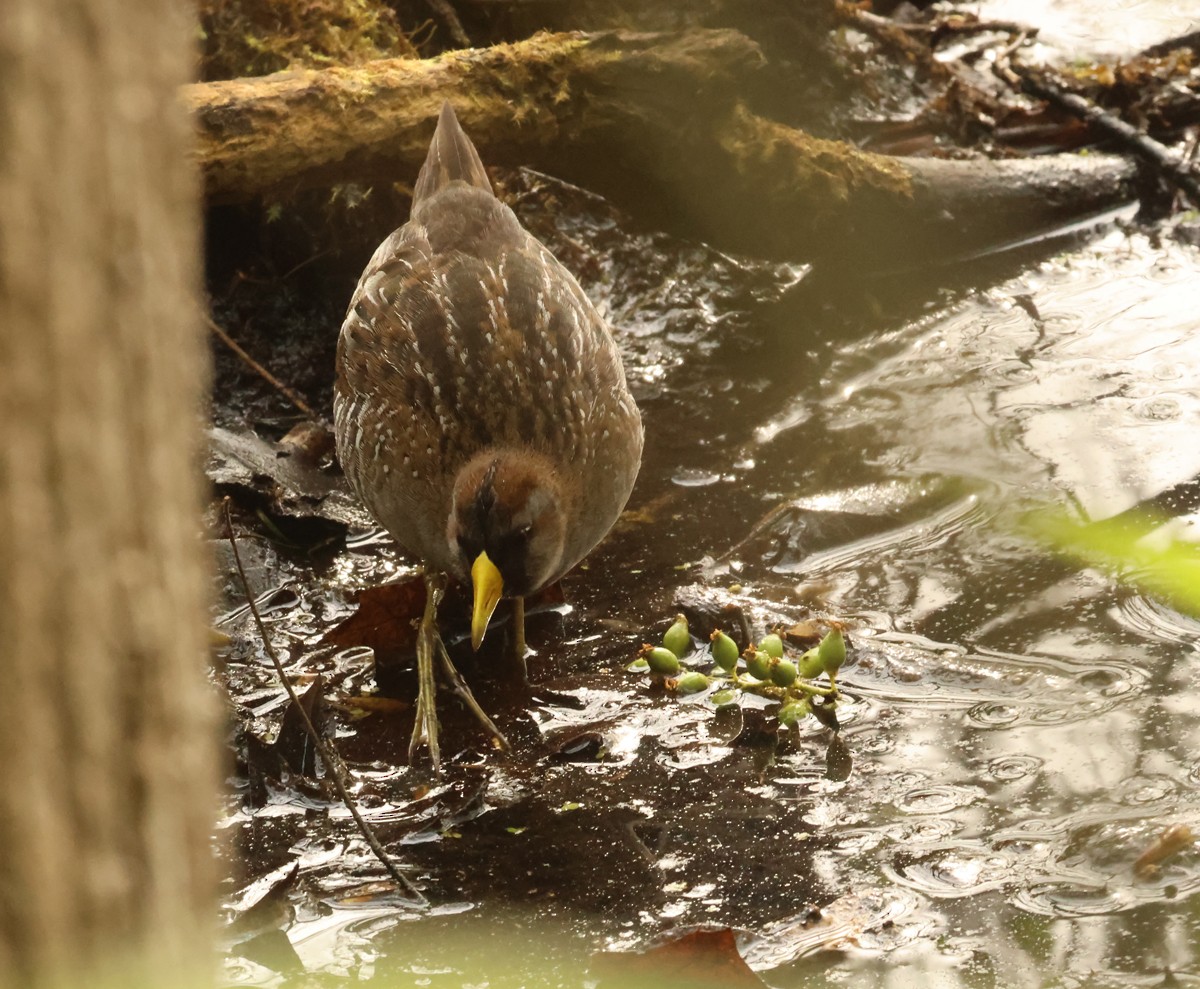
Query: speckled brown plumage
pixel 480 400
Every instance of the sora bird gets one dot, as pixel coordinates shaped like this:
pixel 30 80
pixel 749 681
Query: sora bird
pixel 482 412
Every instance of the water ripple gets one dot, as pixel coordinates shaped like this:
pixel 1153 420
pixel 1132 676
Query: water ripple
pixel 909 539
pixel 954 871
pixel 938 799
pixel 1010 768
pixel 1067 900
pixel 992 714
pixel 1140 790
pixel 1146 616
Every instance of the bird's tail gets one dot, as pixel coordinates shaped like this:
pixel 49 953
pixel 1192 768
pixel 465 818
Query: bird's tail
pixel 451 156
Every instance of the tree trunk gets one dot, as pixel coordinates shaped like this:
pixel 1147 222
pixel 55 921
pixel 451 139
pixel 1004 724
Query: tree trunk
pixel 107 746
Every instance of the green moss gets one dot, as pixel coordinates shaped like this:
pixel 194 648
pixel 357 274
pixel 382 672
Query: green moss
pixel 791 163
pixel 257 37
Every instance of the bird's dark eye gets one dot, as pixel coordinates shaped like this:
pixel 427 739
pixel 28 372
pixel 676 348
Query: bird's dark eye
pixel 525 531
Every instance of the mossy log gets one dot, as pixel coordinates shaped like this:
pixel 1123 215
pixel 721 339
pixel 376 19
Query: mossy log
pixel 653 121
pixel 529 103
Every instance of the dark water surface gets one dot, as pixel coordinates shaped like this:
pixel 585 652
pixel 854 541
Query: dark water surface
pixel 1019 728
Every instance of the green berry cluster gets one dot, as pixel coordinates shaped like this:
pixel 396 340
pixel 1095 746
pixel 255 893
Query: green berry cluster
pixel 765 669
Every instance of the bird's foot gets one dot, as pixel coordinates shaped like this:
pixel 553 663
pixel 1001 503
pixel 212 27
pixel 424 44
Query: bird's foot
pixel 429 645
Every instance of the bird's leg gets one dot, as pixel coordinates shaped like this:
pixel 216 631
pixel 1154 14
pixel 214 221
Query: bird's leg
pixel 518 637
pixel 429 642
pixel 425 728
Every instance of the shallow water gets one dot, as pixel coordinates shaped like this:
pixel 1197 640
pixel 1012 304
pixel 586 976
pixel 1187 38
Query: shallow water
pixel 1022 728
pixel 1099 29
pixel 1016 729
pixel 1031 726
pixel 1019 728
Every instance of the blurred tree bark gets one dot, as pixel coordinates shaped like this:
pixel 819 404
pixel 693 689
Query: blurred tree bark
pixel 106 741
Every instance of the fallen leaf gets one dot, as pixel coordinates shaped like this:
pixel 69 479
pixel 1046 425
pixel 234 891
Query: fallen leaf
pixel 307 442
pixel 386 621
pixel 827 928
pixel 261 903
pixel 838 761
pixel 292 486
pixel 578 743
pixel 372 893
pixel 707 608
pixel 371 704
pixel 703 958
pixel 806 633
pixel 271 949
pixel 388 616
pixel 261 911
pixel 293 744
pixel 826 714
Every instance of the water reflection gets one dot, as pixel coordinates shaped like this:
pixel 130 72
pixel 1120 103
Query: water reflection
pixel 1015 732
pixel 1099 28
pixel 1058 745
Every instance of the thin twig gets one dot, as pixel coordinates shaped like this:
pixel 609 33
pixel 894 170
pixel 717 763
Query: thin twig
pixel 943 27
pixel 1173 167
pixel 449 17
pixel 889 32
pixel 1006 53
pixel 258 369
pixel 325 751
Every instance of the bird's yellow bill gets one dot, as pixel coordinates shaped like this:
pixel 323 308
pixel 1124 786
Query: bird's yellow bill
pixel 488 585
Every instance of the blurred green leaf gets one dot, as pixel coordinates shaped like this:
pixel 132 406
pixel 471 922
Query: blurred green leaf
pixel 1163 567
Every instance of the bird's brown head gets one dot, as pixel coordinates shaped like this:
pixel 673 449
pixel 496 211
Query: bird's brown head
pixel 506 528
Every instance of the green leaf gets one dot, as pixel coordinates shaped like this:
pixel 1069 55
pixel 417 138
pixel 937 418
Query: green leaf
pixel 1164 568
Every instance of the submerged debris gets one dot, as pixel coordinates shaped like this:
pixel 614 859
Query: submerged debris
pixel 1171 842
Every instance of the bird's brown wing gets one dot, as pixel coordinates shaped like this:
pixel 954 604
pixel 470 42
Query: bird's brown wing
pixel 464 333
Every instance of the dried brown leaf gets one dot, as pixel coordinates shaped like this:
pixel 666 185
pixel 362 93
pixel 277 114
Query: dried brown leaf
pixel 699 958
